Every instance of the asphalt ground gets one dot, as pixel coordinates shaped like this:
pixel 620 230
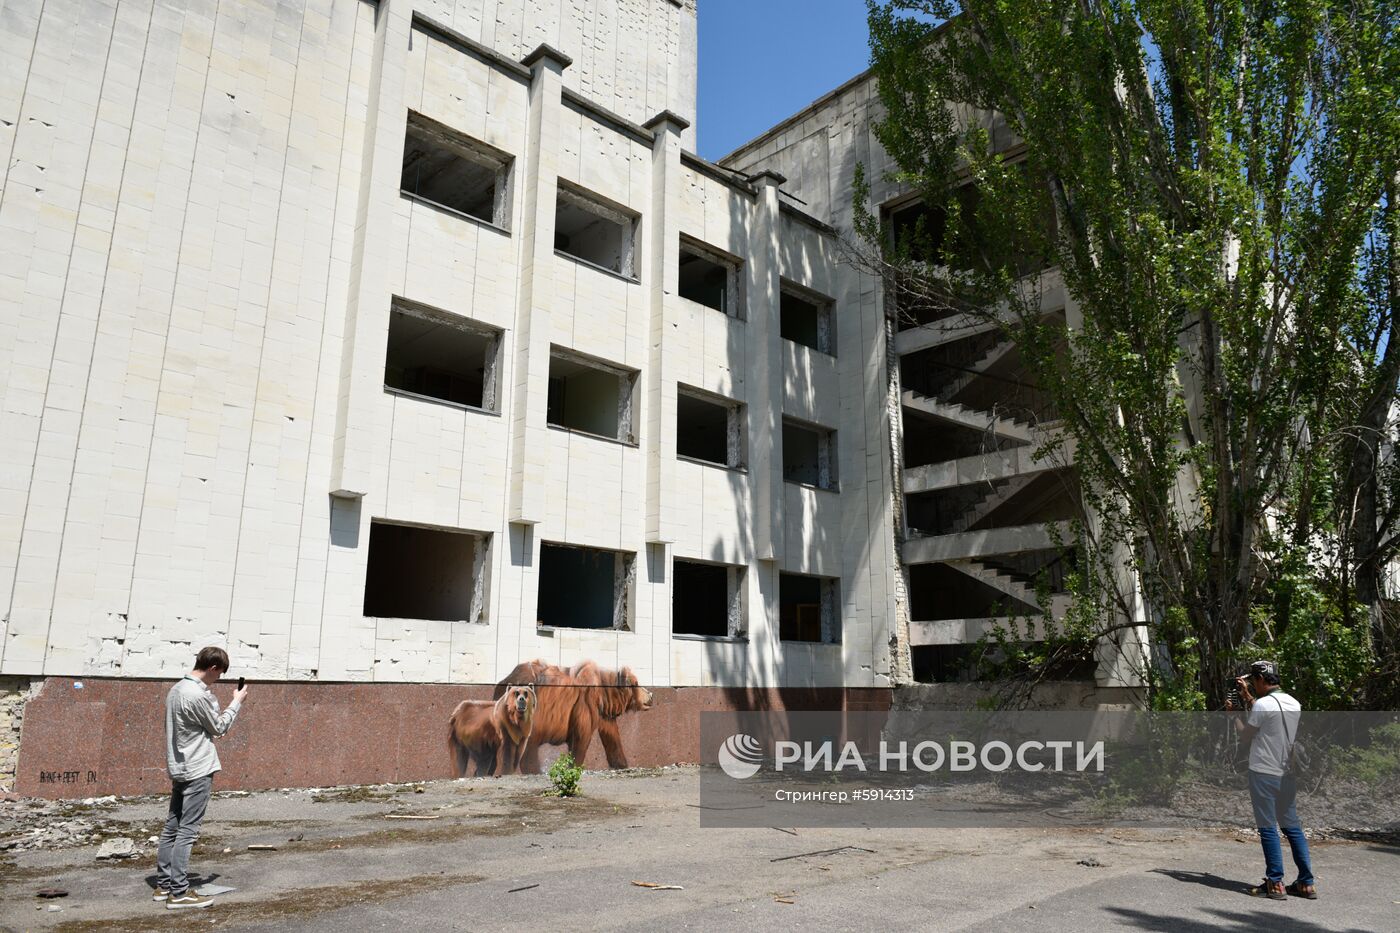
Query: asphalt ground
pixel 496 854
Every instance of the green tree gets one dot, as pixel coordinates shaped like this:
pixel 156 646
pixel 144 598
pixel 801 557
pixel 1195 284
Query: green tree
pixel 1215 182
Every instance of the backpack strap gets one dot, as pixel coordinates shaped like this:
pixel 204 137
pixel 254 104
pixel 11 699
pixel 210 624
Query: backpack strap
pixel 1288 753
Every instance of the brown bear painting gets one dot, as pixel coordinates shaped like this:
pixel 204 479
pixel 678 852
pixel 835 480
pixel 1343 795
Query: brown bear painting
pixel 574 704
pixel 491 734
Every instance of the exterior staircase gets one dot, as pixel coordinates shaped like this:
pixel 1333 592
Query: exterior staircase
pixel 992 498
pixel 969 417
pixel 1011 585
pixel 974 369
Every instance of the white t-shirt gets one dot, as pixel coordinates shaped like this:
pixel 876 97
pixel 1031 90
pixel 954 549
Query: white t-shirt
pixel 1276 716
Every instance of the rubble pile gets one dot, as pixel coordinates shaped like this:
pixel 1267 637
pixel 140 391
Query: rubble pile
pixel 28 824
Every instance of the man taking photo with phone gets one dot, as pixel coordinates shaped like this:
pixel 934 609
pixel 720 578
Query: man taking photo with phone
pixel 192 722
pixel 1271 728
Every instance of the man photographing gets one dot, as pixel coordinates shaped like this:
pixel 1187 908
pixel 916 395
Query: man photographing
pixel 192 721
pixel 1271 728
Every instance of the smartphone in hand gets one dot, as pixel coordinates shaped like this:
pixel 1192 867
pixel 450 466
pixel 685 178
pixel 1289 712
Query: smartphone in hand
pixel 240 683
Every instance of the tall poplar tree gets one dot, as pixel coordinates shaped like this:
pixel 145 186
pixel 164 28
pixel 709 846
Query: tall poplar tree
pixel 1216 182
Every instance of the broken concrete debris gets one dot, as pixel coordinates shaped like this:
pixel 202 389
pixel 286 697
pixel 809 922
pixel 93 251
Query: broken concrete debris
pixel 118 848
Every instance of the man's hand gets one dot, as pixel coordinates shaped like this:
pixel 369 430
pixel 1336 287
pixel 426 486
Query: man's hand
pixel 239 694
pixel 1244 695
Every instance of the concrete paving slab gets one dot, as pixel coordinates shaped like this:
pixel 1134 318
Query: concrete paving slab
pixel 501 857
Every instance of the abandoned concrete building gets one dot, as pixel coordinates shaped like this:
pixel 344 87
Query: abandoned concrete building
pixel 388 345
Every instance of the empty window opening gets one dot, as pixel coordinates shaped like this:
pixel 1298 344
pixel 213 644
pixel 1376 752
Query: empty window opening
pixel 425 573
pixel 809 455
pixel 709 428
pixel 453 171
pixel 585 587
pixel 806 319
pixel 590 396
pixel 442 356
pixel 808 609
pixel 588 228
pixel 710 278
pixel 707 599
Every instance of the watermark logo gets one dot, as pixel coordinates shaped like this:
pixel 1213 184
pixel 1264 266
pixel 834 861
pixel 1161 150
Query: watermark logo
pixel 740 756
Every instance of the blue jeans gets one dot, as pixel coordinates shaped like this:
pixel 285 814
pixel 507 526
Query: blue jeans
pixel 1274 802
pixel 188 801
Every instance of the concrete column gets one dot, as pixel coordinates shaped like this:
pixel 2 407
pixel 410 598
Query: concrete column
pixel 367 317
pixel 663 275
pixel 766 397
pixel 539 184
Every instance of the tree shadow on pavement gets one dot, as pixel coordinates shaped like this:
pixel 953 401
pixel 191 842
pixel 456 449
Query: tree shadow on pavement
pixel 1229 920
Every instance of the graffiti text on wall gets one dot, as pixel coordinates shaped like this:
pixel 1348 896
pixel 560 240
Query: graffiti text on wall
pixel 67 777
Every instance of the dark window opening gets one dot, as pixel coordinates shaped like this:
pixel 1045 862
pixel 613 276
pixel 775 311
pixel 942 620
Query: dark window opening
pixel 590 397
pixel 706 599
pixel 809 455
pixel 806 319
pixel 584 588
pixel 425 573
pixel 597 233
pixel 709 430
pixel 441 356
pixel 708 278
pixel 807 609
pixel 443 166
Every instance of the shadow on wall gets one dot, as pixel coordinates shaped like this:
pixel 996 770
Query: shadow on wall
pixel 345 522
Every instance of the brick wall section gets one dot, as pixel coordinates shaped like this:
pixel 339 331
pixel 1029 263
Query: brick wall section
pixel 13 693
pixel 107 736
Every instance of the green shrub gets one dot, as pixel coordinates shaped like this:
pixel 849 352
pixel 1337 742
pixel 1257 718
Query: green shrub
pixel 1323 661
pixel 564 775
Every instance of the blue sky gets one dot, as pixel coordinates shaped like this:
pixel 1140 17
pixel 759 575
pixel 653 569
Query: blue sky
pixel 761 61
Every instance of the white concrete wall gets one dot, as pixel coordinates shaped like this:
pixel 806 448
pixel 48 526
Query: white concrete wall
pixel 203 237
pixel 634 57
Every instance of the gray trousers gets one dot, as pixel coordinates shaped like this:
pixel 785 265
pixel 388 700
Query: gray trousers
pixel 188 801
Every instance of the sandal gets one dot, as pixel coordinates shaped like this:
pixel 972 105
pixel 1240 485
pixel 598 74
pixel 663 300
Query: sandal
pixel 1273 890
pixel 1297 889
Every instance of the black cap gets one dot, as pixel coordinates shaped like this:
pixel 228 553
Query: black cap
pixel 1263 669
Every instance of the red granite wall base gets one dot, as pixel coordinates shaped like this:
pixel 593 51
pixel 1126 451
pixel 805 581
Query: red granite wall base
pixel 89 738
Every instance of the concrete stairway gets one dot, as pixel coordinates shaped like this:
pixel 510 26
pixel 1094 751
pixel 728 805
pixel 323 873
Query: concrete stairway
pixel 968 417
pixel 1010 585
pixel 974 369
pixel 992 498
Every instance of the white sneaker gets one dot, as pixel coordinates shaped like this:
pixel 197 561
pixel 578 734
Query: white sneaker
pixel 188 899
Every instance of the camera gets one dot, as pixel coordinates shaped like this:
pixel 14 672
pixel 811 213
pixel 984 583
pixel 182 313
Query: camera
pixel 1232 693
